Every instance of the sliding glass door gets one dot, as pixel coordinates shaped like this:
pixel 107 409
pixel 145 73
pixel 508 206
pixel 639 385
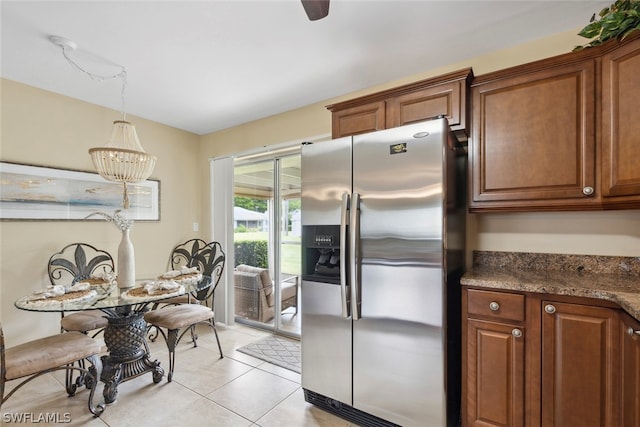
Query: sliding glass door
pixel 289 241
pixel 267 242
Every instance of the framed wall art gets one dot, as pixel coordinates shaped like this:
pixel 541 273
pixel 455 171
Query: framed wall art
pixel 29 192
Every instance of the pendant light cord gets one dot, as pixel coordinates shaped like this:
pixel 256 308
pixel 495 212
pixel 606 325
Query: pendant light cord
pixel 95 77
pixel 116 162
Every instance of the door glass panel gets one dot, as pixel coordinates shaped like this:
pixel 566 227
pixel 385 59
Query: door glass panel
pixel 253 205
pixel 290 238
pixel 267 243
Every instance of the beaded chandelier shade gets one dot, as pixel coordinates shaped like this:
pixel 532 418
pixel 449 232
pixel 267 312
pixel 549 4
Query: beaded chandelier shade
pixel 122 159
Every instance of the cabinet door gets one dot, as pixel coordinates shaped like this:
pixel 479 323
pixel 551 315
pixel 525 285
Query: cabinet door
pixel 447 99
pixel 357 120
pixel 630 371
pixel 495 375
pixel 580 365
pixel 533 141
pixel 621 123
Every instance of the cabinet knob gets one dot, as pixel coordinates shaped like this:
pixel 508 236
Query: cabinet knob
pixel 517 333
pixel 494 306
pixel 587 191
pixel 549 309
pixel 632 331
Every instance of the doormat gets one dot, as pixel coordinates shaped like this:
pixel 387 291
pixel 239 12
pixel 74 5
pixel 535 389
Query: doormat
pixel 279 351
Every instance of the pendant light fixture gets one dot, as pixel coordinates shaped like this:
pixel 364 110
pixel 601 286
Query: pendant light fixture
pixel 122 159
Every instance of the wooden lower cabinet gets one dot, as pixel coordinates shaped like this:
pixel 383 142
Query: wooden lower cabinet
pixel 580 377
pixel 567 362
pixel 493 369
pixel 495 375
pixel 630 339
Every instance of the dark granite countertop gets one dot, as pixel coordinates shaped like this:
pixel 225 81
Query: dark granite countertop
pixel 615 279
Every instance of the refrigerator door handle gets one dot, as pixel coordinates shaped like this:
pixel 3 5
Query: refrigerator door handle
pixel 354 255
pixel 344 220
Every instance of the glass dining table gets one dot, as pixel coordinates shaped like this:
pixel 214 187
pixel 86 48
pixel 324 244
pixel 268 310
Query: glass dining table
pixel 126 333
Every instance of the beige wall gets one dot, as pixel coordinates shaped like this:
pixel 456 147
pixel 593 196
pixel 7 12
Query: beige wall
pixel 47 129
pixel 591 233
pixel 43 128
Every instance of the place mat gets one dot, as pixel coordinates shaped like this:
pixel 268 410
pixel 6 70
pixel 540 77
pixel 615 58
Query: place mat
pixel 279 351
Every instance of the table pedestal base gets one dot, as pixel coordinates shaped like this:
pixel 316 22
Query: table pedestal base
pixel 128 353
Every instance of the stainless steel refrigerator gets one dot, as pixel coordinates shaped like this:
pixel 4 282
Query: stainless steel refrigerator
pixel 383 218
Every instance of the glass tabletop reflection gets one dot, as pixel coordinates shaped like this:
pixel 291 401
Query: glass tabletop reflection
pixel 109 296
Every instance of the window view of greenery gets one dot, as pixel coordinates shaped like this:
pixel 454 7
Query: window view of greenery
pixel 251 233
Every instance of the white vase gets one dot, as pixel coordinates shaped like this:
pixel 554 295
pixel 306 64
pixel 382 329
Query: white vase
pixel 126 267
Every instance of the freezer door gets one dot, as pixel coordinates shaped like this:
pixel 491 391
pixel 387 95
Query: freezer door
pixel 326 330
pixel 326 342
pixel 326 176
pixel 398 341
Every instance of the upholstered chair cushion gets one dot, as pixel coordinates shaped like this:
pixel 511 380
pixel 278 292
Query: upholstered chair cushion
pixel 179 316
pixel 181 299
pixel 47 353
pixel 84 321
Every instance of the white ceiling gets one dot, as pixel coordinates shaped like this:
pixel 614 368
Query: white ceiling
pixel 203 66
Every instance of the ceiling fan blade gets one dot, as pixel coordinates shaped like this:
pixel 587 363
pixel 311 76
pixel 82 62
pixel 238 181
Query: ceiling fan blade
pixel 316 9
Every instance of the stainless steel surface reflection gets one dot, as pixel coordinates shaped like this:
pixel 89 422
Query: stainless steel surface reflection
pixel 385 355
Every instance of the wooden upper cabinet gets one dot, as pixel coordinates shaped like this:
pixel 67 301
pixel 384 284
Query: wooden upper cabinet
pixel 445 95
pixel 621 123
pixel 558 134
pixel 446 99
pixel 359 119
pixel 533 137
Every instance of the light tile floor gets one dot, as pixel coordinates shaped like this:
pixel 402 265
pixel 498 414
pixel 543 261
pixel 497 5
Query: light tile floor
pixel 238 390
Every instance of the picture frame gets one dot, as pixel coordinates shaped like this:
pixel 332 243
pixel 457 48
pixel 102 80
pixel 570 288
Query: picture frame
pixel 31 192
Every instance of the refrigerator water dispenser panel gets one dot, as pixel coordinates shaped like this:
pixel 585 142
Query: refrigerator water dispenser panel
pixel 321 253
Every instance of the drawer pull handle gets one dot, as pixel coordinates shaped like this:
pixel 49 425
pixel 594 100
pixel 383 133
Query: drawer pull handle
pixel 517 333
pixel 494 306
pixel 632 331
pixel 549 309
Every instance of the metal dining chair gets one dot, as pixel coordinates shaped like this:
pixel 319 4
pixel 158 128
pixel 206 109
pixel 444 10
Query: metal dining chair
pixel 173 321
pixel 32 359
pixel 74 263
pixel 187 254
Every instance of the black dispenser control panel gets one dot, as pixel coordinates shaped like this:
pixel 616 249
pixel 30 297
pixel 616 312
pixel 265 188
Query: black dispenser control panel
pixel 321 253
pixel 323 240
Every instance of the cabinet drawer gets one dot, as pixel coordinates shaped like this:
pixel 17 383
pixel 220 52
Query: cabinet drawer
pixel 499 305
